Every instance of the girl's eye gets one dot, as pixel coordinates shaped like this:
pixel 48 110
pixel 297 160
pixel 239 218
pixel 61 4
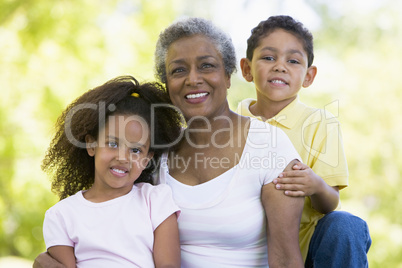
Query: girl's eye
pixel 112 144
pixel 294 61
pixel 135 150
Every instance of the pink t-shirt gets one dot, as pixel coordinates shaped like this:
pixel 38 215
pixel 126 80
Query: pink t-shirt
pixel 115 233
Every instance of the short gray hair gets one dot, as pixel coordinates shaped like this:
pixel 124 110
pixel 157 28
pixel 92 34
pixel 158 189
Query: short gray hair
pixel 189 27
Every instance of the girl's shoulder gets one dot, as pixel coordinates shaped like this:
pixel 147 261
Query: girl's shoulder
pixel 68 203
pixel 159 197
pixel 148 189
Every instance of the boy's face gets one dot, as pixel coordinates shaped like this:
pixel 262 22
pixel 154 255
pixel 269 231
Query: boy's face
pixel 278 68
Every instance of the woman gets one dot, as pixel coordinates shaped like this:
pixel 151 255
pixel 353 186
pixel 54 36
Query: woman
pixel 221 171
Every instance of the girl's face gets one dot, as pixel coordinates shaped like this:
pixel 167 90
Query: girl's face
pixel 121 154
pixel 196 77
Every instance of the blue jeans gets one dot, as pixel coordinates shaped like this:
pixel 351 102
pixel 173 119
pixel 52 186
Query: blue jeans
pixel 339 240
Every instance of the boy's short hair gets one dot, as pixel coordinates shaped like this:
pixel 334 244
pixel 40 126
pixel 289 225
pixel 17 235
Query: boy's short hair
pixel 286 23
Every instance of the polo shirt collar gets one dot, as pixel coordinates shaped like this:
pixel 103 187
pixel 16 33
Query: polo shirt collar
pixel 287 117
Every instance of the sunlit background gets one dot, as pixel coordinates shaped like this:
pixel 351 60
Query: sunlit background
pixel 53 51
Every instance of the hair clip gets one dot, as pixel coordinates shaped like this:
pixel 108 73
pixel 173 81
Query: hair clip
pixel 135 95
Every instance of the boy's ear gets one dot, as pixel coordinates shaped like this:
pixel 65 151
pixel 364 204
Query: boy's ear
pixel 90 144
pixel 245 66
pixel 309 78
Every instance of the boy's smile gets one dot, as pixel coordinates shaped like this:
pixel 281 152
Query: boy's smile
pixel 278 68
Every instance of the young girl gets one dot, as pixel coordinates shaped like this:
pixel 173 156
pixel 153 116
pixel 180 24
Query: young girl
pixel 101 160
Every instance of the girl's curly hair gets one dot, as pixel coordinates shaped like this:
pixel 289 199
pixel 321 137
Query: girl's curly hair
pixel 67 160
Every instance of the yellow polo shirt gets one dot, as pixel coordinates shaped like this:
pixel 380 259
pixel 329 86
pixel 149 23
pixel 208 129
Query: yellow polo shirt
pixel 316 135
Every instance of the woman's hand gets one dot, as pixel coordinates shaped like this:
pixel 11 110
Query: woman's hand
pixel 44 260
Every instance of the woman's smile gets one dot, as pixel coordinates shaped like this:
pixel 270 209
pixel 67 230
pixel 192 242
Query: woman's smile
pixel 196 77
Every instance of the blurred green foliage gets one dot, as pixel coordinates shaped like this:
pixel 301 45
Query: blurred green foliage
pixel 53 51
pixel 367 48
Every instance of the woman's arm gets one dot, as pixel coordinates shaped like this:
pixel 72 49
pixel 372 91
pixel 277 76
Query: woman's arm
pixel 303 181
pixel 44 260
pixel 283 222
pixel 64 255
pixel 167 244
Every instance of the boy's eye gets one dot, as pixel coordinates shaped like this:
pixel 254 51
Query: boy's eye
pixel 294 61
pixel 269 58
pixel 112 144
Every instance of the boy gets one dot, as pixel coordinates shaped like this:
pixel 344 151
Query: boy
pixel 279 62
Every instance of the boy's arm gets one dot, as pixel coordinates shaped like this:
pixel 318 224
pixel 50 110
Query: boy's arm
pixel 283 220
pixel 167 244
pixel 302 181
pixel 64 255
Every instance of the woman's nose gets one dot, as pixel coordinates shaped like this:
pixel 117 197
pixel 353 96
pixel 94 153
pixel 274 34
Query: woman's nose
pixel 193 78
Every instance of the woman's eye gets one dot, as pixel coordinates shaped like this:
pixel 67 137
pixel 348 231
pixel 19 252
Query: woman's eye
pixel 112 144
pixel 177 70
pixel 206 65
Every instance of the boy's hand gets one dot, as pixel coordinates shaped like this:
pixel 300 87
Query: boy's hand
pixel 301 181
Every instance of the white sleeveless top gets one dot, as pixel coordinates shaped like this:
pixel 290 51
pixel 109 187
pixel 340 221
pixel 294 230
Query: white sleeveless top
pixel 222 222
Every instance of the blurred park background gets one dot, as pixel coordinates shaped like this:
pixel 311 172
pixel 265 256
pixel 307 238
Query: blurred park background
pixel 53 51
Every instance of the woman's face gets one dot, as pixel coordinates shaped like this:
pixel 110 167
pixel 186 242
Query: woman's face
pixel 196 77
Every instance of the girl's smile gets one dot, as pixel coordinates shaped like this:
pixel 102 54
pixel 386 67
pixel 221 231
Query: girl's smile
pixel 121 155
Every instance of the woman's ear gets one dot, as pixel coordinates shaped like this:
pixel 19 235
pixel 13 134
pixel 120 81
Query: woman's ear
pixel 310 75
pixel 90 144
pixel 228 82
pixel 245 66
